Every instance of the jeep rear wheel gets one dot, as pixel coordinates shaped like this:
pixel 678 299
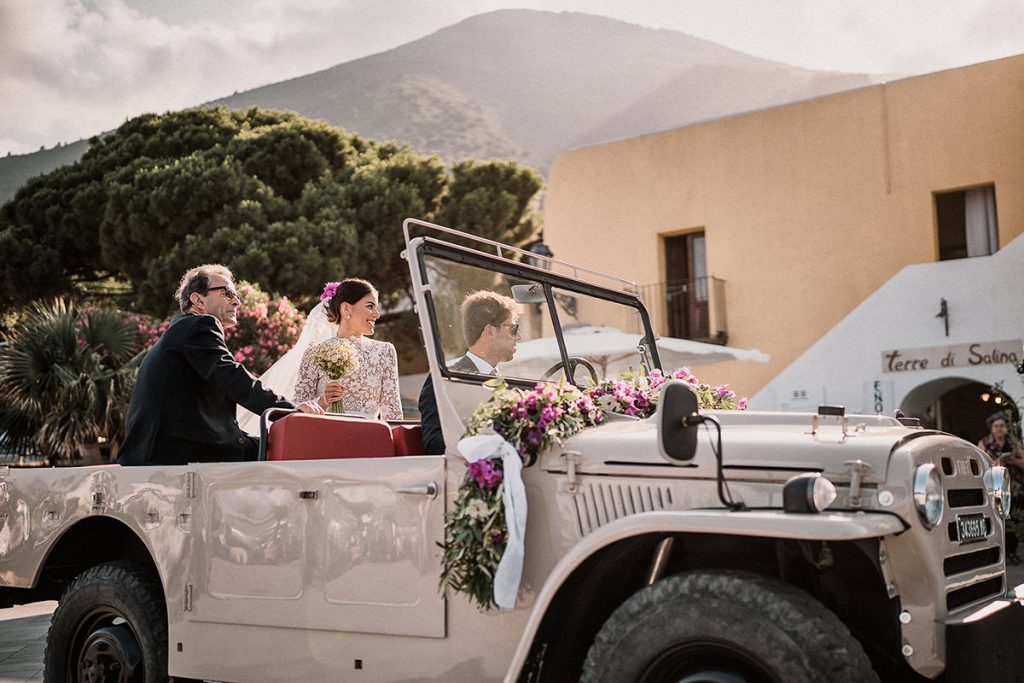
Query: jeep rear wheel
pixel 725 627
pixel 109 627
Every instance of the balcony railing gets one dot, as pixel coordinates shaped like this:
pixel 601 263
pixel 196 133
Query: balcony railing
pixel 688 310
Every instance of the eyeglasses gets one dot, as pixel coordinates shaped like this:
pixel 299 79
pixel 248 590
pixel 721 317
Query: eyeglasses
pixel 228 292
pixel 513 327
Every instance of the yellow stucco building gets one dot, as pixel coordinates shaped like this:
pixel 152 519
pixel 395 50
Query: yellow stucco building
pixel 766 229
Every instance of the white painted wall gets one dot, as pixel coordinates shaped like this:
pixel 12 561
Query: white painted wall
pixel 985 299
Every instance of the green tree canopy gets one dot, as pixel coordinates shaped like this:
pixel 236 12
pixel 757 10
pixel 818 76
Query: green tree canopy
pixel 282 200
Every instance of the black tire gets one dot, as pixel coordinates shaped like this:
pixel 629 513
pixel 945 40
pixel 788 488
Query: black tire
pixel 725 627
pixel 110 625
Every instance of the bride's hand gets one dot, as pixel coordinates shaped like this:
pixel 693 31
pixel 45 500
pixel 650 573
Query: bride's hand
pixel 311 407
pixel 334 390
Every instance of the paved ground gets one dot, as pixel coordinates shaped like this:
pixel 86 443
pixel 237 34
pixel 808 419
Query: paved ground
pixel 23 635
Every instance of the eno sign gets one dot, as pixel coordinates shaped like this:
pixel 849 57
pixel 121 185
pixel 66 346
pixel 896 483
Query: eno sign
pixel 953 356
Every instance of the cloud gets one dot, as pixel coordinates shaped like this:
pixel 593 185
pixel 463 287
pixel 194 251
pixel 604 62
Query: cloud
pixel 73 68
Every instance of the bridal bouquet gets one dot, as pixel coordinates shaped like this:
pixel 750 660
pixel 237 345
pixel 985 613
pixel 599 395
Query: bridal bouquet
pixel 335 358
pixel 476 534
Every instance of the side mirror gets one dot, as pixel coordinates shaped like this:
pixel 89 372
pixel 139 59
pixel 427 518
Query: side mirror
pixel 677 434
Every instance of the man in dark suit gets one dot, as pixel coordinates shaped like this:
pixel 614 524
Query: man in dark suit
pixel 183 406
pixel 490 325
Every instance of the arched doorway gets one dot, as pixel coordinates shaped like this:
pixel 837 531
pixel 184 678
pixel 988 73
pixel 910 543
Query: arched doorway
pixel 957 405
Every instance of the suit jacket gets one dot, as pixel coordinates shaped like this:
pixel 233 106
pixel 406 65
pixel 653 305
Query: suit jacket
pixel 183 406
pixel 430 421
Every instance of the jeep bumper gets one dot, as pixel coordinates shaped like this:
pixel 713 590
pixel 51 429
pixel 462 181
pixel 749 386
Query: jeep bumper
pixel 987 648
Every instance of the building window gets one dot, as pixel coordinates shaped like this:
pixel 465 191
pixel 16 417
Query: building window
pixel 966 222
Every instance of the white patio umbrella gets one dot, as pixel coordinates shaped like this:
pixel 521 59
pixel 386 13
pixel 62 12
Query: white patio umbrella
pixel 611 351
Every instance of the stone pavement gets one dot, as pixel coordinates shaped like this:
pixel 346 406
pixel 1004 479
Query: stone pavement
pixel 23 636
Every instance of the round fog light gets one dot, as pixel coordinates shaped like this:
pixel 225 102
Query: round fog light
pixel 809 492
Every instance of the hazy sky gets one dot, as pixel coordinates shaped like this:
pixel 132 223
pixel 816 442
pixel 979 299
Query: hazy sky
pixel 73 68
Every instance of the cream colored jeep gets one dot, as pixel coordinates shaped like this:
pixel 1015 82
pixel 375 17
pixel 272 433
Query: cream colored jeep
pixel 686 546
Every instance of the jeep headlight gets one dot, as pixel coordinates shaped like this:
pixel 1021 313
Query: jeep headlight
pixel 997 483
pixel 928 495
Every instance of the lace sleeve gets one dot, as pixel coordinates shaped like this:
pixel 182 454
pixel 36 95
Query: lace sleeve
pixel 390 400
pixel 307 386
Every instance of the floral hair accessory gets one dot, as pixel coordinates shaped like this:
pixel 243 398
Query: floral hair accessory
pixel 329 289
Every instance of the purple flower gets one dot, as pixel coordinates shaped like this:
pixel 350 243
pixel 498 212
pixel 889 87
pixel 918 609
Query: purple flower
pixel 486 475
pixel 329 289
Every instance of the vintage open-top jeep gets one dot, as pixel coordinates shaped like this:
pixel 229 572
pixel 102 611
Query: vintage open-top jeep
pixel 652 552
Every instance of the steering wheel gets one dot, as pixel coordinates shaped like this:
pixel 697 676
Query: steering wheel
pixel 574 362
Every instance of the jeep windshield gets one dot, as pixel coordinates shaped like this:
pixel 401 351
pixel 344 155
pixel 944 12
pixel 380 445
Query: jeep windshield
pixel 563 323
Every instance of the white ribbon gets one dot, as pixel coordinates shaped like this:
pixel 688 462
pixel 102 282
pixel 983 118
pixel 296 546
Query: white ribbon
pixel 510 568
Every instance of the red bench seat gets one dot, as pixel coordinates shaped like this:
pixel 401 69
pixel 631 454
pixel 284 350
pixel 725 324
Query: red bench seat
pixel 323 437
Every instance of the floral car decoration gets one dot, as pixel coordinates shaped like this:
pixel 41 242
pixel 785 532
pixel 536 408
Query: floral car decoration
pixel 532 421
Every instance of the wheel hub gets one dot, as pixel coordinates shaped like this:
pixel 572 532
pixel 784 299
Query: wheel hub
pixel 109 655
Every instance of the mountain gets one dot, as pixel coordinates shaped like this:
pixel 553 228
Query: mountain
pixel 529 84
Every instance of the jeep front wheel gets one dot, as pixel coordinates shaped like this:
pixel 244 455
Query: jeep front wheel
pixel 725 627
pixel 110 626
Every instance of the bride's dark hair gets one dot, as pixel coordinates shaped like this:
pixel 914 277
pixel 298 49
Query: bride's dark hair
pixel 349 291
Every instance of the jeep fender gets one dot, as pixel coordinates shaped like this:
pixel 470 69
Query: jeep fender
pixel 835 526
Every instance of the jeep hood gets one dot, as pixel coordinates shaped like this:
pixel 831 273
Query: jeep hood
pixel 752 441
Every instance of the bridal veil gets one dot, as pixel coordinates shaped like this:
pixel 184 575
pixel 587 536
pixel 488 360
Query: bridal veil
pixel 282 375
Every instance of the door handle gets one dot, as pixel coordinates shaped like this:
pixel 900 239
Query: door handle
pixel 429 489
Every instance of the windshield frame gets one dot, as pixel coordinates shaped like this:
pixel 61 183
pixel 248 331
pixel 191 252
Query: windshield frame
pixel 429 246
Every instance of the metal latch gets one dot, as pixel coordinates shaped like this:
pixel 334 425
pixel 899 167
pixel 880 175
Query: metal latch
pixel 857 469
pixel 830 411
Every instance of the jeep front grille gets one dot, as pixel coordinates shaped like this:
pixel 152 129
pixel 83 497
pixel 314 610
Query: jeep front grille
pixel 600 502
pixel 968 566
pixel 961 498
pixel 958 564
pixel 974 592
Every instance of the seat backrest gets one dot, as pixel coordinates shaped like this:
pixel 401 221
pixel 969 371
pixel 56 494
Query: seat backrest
pixel 322 437
pixel 407 438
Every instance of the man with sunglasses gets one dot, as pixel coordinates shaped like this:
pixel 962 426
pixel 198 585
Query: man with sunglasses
pixel 183 406
pixel 490 326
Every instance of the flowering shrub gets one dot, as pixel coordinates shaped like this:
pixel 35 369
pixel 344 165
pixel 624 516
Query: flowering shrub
pixel 266 328
pixel 148 329
pixel 475 531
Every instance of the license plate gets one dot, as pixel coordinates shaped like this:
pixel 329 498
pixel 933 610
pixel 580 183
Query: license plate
pixel 971 528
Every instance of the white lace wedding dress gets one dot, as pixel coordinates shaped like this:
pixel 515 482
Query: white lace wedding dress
pixel 370 389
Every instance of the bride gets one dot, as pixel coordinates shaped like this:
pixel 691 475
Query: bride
pixel 347 313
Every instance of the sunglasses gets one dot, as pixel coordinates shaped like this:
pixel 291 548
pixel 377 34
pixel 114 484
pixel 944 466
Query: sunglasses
pixel 228 292
pixel 513 327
